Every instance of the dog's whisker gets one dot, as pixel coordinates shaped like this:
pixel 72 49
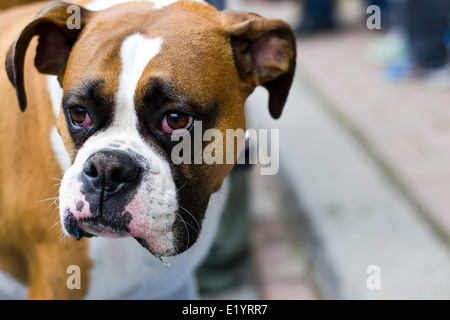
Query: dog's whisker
pixel 187 230
pixel 54 225
pixel 53 212
pixel 193 217
pixel 44 200
pixel 181 187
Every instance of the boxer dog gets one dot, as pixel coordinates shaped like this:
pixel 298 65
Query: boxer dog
pixel 99 88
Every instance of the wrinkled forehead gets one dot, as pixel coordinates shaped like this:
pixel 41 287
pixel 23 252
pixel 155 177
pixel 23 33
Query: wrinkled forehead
pixel 178 41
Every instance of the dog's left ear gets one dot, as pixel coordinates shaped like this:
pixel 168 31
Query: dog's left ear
pixel 264 52
pixel 56 39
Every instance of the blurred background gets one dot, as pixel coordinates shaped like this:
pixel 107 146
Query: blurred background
pixel 359 208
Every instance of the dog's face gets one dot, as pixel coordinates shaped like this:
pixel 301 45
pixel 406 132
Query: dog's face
pixel 134 76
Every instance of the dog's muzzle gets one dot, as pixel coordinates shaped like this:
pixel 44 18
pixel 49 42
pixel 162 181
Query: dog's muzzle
pixel 110 179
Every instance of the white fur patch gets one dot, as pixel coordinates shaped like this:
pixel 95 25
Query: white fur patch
pixel 60 151
pixel 162 3
pixel 55 91
pixel 56 94
pixel 97 5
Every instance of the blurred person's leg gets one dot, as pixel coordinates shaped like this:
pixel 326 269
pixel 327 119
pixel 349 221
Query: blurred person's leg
pixel 317 15
pixel 384 12
pixel 224 266
pixel 397 15
pixel 416 43
pixel 393 47
pixel 426 28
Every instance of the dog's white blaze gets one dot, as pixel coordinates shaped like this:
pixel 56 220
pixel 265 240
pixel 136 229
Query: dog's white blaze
pixel 136 53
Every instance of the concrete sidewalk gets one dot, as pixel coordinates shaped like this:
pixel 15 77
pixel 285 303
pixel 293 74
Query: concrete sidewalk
pixel 367 164
pixel 354 217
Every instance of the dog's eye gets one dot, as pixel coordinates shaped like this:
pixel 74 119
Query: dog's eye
pixel 176 123
pixel 80 117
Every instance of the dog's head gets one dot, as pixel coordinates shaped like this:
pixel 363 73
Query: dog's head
pixel 133 76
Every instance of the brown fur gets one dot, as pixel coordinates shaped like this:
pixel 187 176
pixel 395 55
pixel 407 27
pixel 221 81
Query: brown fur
pixel 4 4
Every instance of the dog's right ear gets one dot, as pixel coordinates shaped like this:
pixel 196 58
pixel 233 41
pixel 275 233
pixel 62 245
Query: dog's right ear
pixel 265 54
pixel 55 43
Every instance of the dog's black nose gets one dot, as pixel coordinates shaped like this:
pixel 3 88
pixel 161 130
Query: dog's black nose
pixel 109 170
